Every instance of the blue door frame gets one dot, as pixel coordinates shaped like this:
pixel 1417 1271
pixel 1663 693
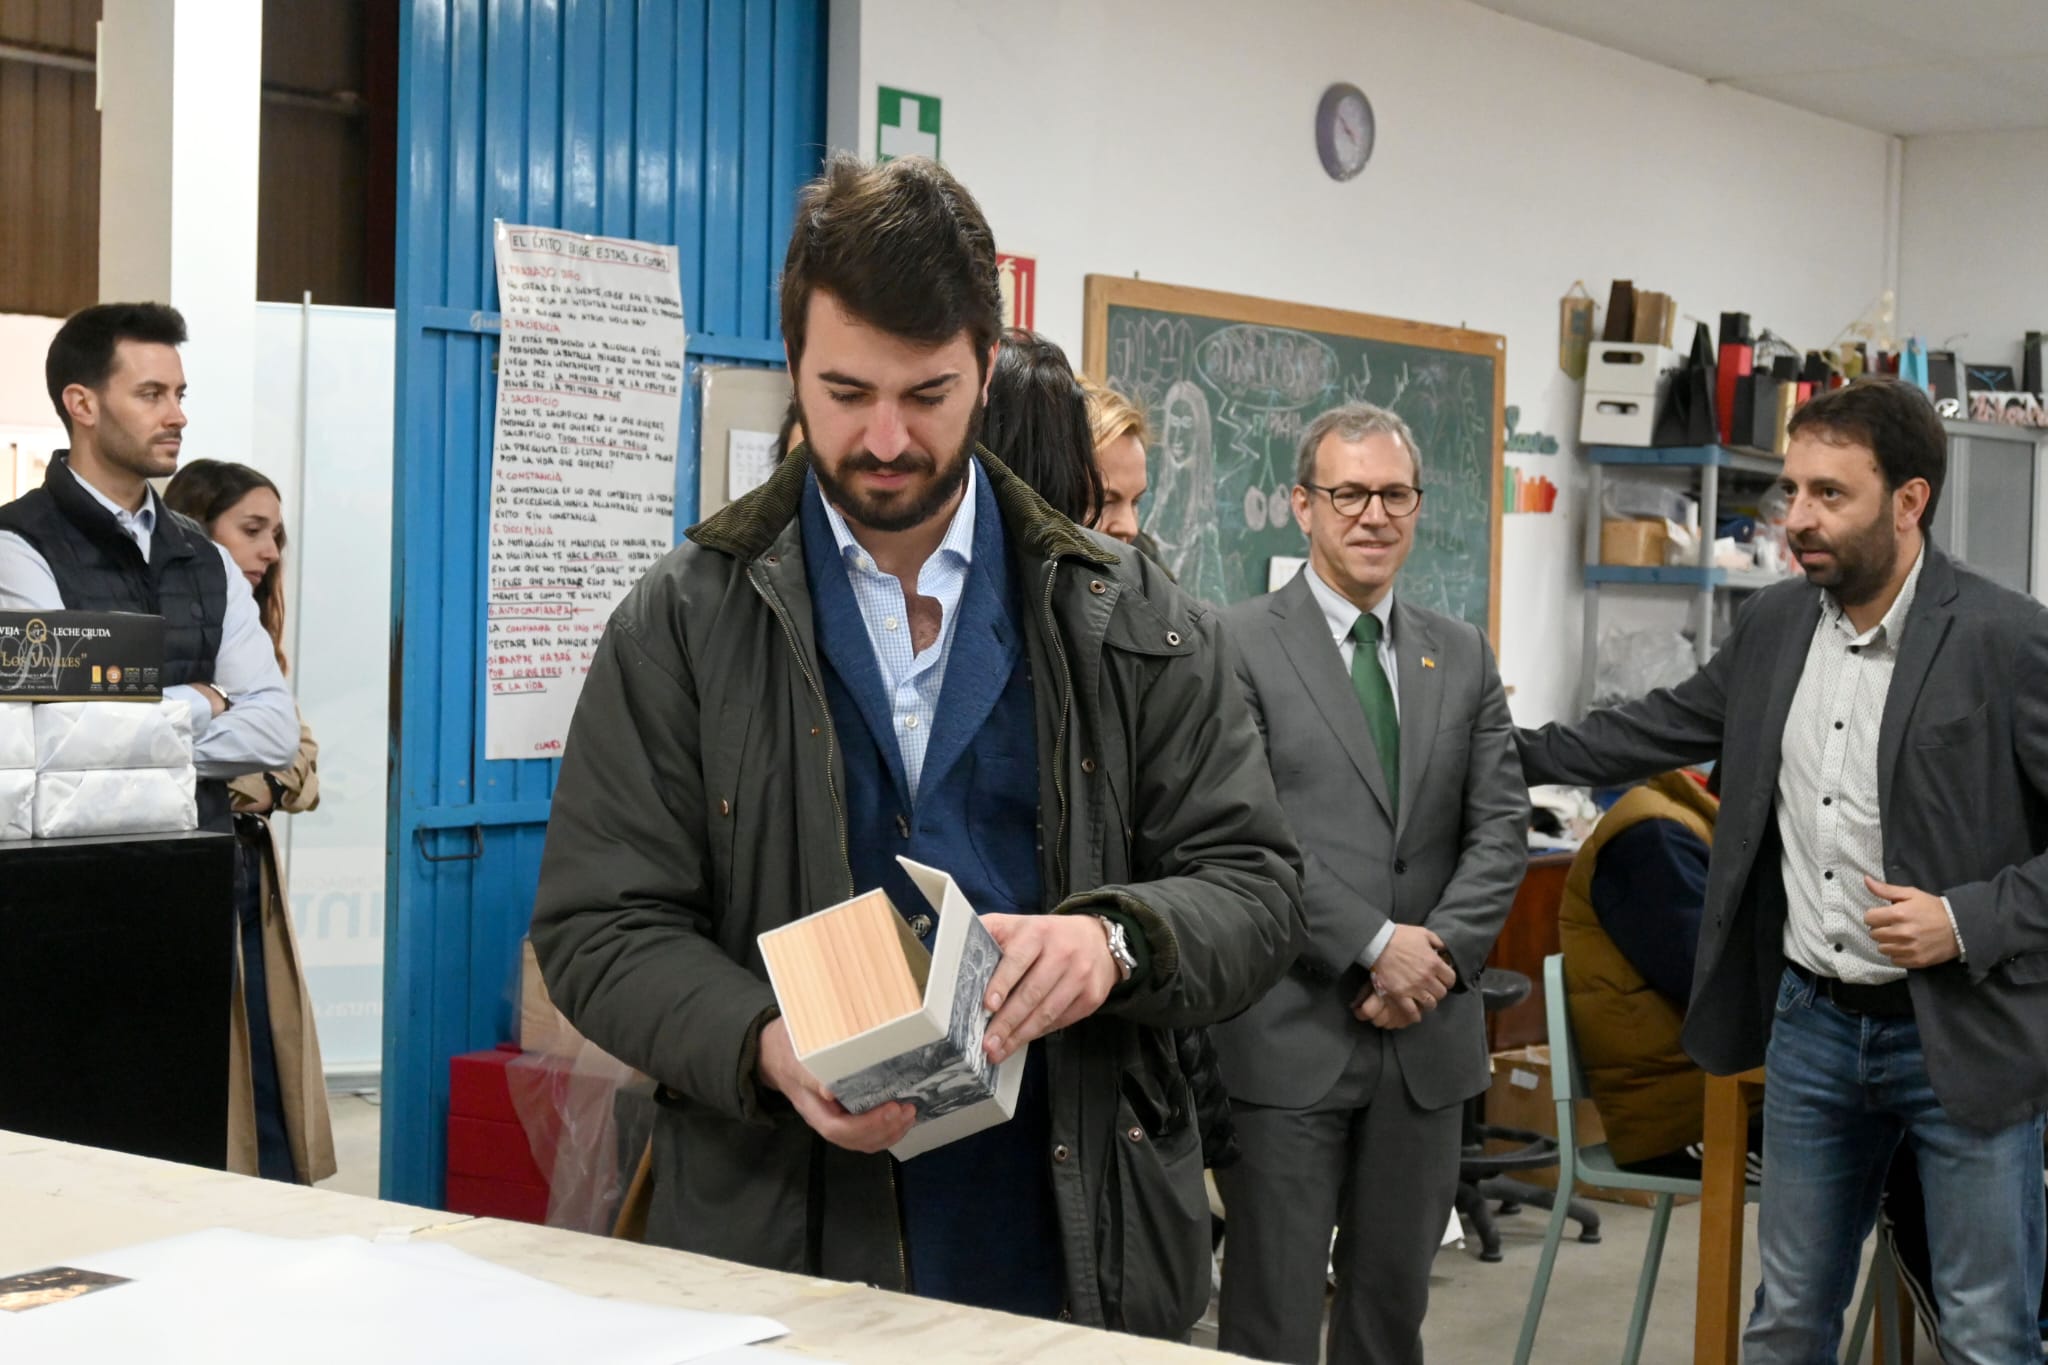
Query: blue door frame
pixel 692 122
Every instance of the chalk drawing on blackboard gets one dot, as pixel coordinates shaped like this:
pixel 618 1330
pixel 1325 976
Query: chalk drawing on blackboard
pixel 1182 519
pixel 1233 383
pixel 1255 508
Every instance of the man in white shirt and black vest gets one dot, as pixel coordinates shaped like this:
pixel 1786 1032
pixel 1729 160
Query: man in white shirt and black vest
pixel 96 537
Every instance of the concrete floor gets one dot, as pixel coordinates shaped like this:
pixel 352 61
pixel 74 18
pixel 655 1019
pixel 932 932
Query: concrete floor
pixel 1476 1310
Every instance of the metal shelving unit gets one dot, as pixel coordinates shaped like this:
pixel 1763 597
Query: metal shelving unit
pixel 1703 579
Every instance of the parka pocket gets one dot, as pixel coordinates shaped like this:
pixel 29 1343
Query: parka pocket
pixel 1163 1213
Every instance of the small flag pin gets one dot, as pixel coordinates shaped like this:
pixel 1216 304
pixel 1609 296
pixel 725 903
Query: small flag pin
pixel 1428 662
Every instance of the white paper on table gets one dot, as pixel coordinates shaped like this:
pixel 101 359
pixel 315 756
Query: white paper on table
pixel 749 460
pixel 230 1296
pixel 73 736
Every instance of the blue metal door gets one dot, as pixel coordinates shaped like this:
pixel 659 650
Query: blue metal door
pixel 691 122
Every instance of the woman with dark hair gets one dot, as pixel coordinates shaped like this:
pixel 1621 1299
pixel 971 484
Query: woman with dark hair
pixel 1037 425
pixel 278 1125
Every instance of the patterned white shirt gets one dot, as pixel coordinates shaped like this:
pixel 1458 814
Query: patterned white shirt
pixel 912 680
pixel 1828 811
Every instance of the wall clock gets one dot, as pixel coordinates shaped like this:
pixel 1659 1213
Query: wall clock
pixel 1344 131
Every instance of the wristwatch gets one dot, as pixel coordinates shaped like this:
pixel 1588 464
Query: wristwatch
pixel 1119 948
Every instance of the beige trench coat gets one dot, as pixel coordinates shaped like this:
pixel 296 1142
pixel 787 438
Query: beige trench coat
pixel 300 1078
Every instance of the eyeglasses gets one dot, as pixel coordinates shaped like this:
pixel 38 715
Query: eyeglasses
pixel 1398 499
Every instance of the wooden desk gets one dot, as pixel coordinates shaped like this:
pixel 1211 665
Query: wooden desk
pixel 1529 936
pixel 63 1201
pixel 1717 1321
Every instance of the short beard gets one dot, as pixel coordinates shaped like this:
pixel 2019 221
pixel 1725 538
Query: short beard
pixel 884 516
pixel 1863 563
pixel 137 455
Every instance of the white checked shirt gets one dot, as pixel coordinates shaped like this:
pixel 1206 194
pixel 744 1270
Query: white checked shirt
pixel 1341 614
pixel 1828 815
pixel 912 680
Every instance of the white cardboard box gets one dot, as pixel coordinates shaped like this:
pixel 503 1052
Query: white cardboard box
pixel 932 1056
pixel 1618 419
pixel 1627 367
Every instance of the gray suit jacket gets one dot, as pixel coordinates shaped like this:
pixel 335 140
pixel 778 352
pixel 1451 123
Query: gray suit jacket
pixel 1452 862
pixel 1962 763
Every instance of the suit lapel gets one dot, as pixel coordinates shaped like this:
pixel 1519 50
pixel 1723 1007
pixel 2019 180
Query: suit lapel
pixel 1927 623
pixel 1420 697
pixel 1790 664
pixel 1305 634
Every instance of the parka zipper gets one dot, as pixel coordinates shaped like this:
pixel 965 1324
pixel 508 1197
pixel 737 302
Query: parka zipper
pixel 845 856
pixel 1059 744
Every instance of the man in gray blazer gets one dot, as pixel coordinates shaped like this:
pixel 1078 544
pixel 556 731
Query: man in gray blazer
pixel 1876 927
pixel 1393 753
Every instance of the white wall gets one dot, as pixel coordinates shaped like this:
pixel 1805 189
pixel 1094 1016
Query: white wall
pixel 29 429
pixel 332 370
pixel 180 82
pixel 1173 138
pixel 1974 232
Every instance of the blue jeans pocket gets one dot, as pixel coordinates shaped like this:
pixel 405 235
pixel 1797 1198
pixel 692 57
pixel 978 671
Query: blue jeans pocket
pixel 1794 992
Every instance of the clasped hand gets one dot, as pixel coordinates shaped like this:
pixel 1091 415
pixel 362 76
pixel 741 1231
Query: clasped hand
pixel 1409 977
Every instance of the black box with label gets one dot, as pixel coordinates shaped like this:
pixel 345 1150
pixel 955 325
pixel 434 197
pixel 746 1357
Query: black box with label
pixel 81 656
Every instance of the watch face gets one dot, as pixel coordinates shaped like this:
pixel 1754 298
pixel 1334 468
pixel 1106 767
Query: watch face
pixel 1344 131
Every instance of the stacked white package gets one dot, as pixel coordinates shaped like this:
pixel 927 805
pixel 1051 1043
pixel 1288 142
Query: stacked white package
pixel 72 736
pixel 17 769
pixel 107 767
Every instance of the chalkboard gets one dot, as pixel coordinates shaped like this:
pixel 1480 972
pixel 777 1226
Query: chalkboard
pixel 1231 382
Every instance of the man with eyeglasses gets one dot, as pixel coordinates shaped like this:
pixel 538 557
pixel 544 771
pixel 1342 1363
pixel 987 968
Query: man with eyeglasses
pixel 1395 762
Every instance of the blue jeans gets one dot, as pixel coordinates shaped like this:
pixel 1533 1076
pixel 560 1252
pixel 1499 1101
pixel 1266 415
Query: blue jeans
pixel 1843 1090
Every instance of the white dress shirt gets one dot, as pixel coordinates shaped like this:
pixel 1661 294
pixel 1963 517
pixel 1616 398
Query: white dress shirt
pixel 1829 820
pixel 260 732
pixel 913 680
pixel 1341 614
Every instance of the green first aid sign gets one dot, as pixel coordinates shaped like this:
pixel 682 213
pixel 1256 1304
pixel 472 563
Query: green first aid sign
pixel 906 124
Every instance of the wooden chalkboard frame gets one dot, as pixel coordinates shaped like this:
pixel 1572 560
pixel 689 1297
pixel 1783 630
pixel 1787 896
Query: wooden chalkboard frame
pixel 1103 292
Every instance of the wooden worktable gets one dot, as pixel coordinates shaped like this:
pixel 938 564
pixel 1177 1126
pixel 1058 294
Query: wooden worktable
pixel 64 1202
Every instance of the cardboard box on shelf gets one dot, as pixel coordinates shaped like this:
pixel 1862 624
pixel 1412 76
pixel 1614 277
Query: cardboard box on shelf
pixel 1629 542
pixel 1521 1097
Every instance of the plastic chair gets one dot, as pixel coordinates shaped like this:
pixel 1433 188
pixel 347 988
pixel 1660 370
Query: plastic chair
pixel 1594 1166
pixel 1485 1175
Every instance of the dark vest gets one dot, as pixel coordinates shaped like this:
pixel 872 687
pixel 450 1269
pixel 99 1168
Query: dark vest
pixel 98 568
pixel 975 816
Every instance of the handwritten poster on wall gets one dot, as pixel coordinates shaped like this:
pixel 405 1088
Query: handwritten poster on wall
pixel 583 470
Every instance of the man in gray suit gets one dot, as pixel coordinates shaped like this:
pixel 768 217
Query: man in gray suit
pixel 1393 753
pixel 1876 926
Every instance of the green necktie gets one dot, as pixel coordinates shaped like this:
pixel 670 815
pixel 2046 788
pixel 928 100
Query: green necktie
pixel 1376 695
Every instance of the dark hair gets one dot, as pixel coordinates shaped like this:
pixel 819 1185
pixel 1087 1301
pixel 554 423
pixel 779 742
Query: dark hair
pixel 1037 424
pixel 82 352
pixel 1895 419
pixel 902 245
pixel 206 491
pixel 785 439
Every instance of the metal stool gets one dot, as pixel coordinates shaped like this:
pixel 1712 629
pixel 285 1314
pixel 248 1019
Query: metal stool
pixel 1484 1175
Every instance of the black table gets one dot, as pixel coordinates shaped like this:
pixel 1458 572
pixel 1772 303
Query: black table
pixel 116 981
